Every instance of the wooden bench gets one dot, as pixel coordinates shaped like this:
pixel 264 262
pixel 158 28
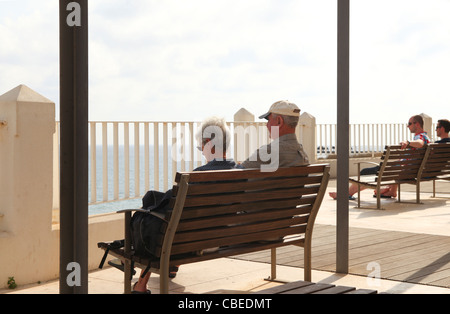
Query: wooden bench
pixel 305 287
pixel 410 166
pixel 238 211
pixel 397 166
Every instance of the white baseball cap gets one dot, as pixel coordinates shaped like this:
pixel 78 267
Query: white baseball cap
pixel 283 107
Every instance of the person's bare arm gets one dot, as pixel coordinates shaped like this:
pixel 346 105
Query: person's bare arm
pixel 413 144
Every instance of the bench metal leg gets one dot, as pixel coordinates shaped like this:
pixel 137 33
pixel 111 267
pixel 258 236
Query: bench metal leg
pixel 127 249
pixel 273 263
pixel 127 277
pixel 409 202
pixel 379 197
pixel 273 266
pixel 418 192
pixel 307 262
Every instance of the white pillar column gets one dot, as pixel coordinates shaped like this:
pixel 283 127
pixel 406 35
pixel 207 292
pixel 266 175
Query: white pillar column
pixel 307 135
pixel 26 182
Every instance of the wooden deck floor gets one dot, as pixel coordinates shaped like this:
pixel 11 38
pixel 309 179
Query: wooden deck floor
pixel 401 256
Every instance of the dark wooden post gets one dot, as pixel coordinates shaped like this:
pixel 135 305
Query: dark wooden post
pixel 73 26
pixel 343 65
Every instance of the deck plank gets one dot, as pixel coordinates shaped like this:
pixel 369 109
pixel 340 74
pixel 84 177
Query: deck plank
pixel 402 256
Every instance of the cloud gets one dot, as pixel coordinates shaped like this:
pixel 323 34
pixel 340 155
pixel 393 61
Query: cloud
pixel 184 60
pixel 29 49
pixel 398 63
pixel 216 56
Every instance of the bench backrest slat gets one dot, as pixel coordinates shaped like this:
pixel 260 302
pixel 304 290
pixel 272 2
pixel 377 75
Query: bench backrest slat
pixel 245 217
pixel 197 212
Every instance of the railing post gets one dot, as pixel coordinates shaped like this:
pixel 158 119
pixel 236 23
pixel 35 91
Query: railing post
pixel 307 135
pixel 427 124
pixel 241 144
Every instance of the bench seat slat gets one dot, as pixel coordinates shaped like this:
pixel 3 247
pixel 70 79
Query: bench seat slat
pixel 226 231
pixel 191 257
pixel 234 240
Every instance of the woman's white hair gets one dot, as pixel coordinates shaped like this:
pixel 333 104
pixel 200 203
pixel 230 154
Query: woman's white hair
pixel 216 130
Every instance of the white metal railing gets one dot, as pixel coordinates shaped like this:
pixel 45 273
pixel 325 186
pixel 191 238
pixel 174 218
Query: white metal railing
pixel 364 138
pixel 126 159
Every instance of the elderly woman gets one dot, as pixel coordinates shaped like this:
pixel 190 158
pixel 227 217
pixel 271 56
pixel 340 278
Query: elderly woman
pixel 213 138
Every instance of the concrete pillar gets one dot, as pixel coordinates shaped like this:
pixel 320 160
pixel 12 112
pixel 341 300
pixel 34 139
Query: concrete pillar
pixel 427 124
pixel 26 184
pixel 245 135
pixel 243 115
pixel 307 135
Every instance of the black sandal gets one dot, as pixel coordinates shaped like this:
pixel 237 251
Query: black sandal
pixel 139 292
pixel 173 272
pixel 383 196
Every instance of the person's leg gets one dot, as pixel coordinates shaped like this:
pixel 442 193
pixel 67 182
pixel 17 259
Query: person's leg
pixel 352 190
pixel 390 191
pixel 141 284
pixel 393 190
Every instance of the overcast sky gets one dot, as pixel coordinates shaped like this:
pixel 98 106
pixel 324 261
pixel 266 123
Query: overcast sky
pixel 186 60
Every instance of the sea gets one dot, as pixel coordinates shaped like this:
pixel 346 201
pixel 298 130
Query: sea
pixel 133 201
pixel 136 201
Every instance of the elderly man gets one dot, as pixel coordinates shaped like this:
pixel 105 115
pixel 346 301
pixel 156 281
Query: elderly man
pixel 284 150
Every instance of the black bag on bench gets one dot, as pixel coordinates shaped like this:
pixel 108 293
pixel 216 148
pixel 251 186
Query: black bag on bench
pixel 146 224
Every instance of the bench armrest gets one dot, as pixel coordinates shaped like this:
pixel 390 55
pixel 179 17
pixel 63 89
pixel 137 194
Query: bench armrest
pixel 129 210
pixel 364 162
pixel 367 162
pixel 145 211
